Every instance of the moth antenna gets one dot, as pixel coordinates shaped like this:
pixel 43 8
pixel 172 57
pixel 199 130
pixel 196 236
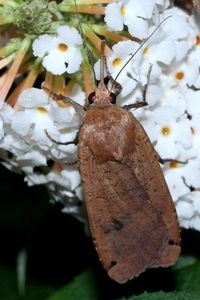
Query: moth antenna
pixel 78 107
pixel 102 62
pixel 138 49
pixel 102 65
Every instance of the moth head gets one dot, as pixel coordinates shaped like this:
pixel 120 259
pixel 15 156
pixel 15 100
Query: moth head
pixel 94 97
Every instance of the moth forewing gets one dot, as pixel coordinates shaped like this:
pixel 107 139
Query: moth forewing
pixel 153 182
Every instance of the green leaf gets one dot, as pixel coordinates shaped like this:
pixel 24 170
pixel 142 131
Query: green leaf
pixel 8 284
pixel 8 287
pixel 182 295
pixel 83 287
pixel 187 274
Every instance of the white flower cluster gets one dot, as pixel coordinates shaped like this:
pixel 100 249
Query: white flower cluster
pixel 169 62
pixel 61 52
pixel 26 144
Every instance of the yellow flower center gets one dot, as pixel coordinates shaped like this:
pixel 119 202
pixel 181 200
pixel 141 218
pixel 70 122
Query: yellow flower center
pixel 62 47
pixel 42 110
pixel 192 130
pixel 179 75
pixel 165 130
pixel 123 10
pixel 173 164
pixel 117 62
pixel 197 40
pixel 146 51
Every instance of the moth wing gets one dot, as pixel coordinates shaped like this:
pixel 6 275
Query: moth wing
pixel 128 232
pixel 145 165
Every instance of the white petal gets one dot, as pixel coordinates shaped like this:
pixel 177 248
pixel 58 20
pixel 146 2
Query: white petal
pixel 139 8
pixel 32 97
pixel 184 134
pixel 22 121
pixel 195 223
pixel 167 148
pixel 138 28
pixel 62 116
pixel 165 114
pixel 43 45
pixel 175 99
pixel 113 17
pixel 74 60
pixel 57 68
pixel 196 201
pixel 154 94
pixel 164 51
pixel 69 35
pixel 193 102
pixel 175 183
pixel 184 210
pixel 73 176
pixel 34 157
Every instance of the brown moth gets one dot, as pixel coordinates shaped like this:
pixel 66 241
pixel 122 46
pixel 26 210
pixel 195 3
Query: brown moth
pixel 131 214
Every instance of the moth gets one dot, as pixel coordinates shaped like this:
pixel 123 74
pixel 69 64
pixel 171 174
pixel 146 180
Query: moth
pixel 131 214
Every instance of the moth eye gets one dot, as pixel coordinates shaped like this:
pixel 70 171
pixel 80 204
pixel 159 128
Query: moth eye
pixel 112 98
pixel 91 98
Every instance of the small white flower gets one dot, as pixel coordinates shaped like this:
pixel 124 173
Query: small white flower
pixel 181 75
pixel 160 48
pixel 170 133
pixel 128 78
pixel 132 13
pixel 158 53
pixel 34 117
pixel 61 52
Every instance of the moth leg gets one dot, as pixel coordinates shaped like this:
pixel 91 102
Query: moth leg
pixel 164 160
pixel 75 141
pixel 80 110
pixel 144 94
pixel 71 163
pixel 135 105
